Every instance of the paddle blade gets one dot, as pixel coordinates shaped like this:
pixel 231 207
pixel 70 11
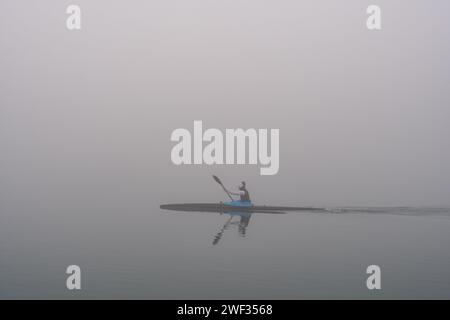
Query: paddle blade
pixel 217 179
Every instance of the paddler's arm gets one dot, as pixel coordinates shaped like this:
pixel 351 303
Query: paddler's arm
pixel 239 193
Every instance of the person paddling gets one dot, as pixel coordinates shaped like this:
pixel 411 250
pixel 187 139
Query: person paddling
pixel 242 193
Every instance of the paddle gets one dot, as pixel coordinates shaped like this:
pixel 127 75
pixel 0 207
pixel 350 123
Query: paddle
pixel 220 182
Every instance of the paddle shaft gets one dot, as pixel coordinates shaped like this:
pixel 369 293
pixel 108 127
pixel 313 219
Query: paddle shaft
pixel 227 192
pixel 223 187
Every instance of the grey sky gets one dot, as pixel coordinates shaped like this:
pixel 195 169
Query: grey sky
pixel 364 117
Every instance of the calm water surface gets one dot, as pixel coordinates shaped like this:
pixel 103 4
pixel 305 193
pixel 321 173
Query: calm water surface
pixel 161 254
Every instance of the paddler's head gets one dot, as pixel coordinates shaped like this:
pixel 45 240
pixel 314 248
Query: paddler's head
pixel 242 186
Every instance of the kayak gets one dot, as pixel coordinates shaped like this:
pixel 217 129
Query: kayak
pixel 233 206
pixel 239 204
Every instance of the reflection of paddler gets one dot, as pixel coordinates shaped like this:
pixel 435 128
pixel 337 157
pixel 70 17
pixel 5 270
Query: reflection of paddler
pixel 242 225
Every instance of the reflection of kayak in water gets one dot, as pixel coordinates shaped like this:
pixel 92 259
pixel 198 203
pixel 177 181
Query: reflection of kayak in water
pixel 240 210
pixel 233 206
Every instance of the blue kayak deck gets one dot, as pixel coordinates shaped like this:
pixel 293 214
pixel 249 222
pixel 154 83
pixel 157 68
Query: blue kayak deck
pixel 238 204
